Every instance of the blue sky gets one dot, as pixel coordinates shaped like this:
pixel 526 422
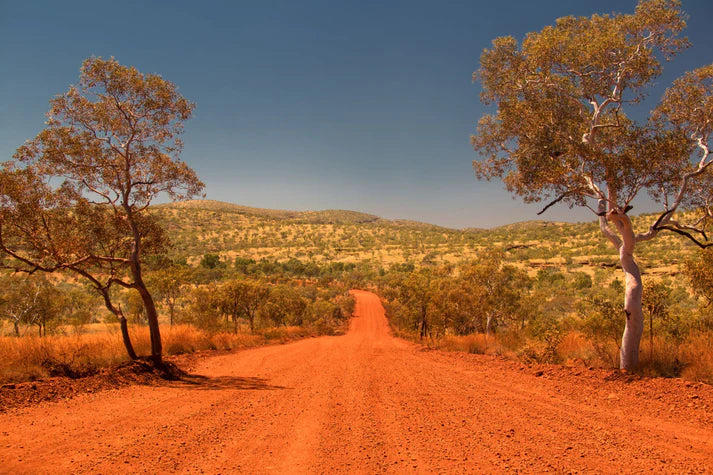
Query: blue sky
pixel 362 105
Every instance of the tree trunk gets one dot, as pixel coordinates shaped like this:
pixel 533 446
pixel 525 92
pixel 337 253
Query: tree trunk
pixel 152 317
pixel 123 324
pixel 651 336
pixel 629 354
pixel 17 328
pixel 140 285
pixel 424 324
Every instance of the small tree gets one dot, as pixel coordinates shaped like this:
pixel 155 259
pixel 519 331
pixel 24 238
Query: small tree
pixel 284 306
pixel 18 300
pixel 169 284
pixel 496 289
pixel 210 261
pixel 656 302
pixel 560 132
pixel 699 272
pixel 50 305
pixel 79 306
pixel 76 197
pixel 242 298
pixel 420 292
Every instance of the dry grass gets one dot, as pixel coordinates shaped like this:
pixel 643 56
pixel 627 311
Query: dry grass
pixel 691 360
pixel 476 343
pixel 30 358
pixel 696 354
pixel 576 347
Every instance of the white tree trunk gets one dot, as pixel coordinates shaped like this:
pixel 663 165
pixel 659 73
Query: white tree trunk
pixel 629 354
pixel 633 309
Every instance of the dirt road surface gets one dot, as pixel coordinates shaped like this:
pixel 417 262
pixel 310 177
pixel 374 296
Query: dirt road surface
pixel 369 403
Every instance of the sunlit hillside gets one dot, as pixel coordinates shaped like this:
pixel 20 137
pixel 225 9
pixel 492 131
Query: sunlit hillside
pixel 200 227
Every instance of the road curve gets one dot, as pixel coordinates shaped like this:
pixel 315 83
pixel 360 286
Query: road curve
pixel 367 402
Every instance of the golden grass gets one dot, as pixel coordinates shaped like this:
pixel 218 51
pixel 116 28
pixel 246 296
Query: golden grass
pixel 30 358
pixel 476 343
pixel 575 347
pixel 691 360
pixel 696 354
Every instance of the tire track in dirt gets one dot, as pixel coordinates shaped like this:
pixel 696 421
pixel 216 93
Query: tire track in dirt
pixel 366 402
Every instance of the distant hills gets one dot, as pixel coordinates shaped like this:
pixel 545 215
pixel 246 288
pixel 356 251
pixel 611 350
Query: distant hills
pixel 327 216
pixel 205 226
pixel 334 216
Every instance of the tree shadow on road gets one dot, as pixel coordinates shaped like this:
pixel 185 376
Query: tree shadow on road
pixel 200 382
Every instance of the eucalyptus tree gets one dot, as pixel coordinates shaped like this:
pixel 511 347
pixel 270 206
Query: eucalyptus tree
pixel 18 300
pixel 76 197
pixel 561 134
pixel 169 285
pixel 242 298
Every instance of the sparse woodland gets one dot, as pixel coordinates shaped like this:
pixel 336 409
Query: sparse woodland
pixel 95 272
pixel 538 291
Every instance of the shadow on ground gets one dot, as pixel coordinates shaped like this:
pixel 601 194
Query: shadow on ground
pixel 199 382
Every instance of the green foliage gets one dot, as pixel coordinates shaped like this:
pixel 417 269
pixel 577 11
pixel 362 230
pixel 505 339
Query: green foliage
pixel 582 281
pixel 546 329
pixel 27 301
pixel 603 324
pixel 556 91
pixel 210 261
pixel 478 296
pixel 699 272
pixel 285 307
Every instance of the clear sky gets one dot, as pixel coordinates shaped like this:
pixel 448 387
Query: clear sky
pixel 363 105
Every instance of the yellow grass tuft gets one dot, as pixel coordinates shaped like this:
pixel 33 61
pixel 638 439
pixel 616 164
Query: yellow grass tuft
pixel 476 343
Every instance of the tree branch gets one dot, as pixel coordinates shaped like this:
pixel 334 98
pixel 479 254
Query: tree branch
pixel 557 200
pixel 688 235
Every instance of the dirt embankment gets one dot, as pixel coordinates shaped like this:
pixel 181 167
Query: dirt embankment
pixel 369 403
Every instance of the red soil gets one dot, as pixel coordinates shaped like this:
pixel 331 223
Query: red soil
pixel 369 403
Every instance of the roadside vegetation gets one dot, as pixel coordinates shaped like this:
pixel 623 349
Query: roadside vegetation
pixel 520 291
pixel 489 306
pixel 60 328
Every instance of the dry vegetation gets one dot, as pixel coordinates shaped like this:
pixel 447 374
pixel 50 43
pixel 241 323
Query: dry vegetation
pixel 568 269
pixel 200 227
pixel 31 357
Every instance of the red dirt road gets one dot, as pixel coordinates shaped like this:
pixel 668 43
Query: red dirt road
pixel 369 403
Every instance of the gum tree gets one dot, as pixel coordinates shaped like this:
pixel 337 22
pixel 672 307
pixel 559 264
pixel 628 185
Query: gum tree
pixel 19 300
pixel 76 197
pixel 561 134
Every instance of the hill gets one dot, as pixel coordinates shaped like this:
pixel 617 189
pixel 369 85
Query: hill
pixel 329 216
pixel 204 226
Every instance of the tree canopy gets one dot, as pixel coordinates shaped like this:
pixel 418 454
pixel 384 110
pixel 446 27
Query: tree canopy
pixel 561 133
pixel 75 197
